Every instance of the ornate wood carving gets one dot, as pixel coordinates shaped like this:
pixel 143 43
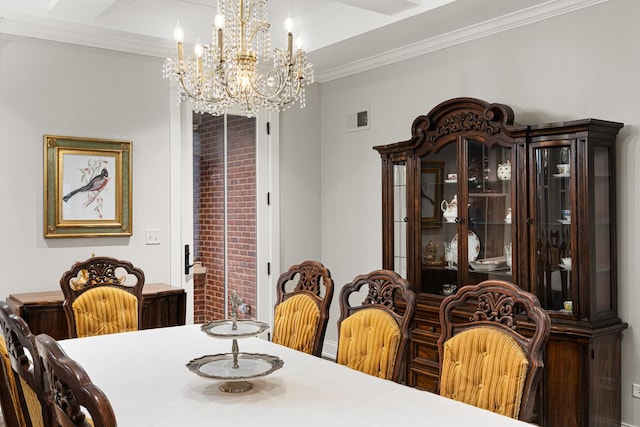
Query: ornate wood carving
pixel 381 292
pixel 460 122
pixel 497 307
pixel 310 278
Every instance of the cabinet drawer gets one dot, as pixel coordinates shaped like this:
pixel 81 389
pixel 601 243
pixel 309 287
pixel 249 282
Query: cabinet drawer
pixel 423 380
pixel 427 325
pixel 425 352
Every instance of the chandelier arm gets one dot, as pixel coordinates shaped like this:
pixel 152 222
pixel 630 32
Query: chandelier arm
pixel 263 26
pixel 198 97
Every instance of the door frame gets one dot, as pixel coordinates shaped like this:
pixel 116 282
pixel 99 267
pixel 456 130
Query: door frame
pixel 267 207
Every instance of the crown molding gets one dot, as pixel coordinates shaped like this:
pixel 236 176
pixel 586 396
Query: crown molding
pixel 484 29
pixel 86 35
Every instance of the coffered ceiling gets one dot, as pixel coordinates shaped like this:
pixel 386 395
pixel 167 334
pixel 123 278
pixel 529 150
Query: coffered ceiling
pixel 342 37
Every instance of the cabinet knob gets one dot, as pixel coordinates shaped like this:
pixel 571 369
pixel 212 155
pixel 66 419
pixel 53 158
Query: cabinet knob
pixel 432 329
pixel 406 219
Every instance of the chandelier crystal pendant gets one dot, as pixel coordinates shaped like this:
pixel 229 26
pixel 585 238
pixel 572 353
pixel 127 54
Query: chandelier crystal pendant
pixel 232 69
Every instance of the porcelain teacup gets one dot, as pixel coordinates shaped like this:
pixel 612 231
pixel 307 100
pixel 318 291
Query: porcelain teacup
pixel 448 289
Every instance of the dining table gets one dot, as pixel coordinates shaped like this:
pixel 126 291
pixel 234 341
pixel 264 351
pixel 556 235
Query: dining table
pixel 144 375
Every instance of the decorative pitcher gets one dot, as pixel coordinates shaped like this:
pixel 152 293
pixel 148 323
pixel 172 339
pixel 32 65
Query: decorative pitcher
pixel 504 170
pixel 450 209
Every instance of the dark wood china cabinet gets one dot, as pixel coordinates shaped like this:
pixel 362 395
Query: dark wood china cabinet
pixel 536 204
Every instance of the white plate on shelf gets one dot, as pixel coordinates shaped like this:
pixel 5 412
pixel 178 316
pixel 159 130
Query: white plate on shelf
pixel 489 264
pixel 484 265
pixel 562 175
pixel 564 221
pixel 450 181
pixel 473 246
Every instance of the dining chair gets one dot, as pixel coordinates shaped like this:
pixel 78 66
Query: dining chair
pixel 373 334
pixel 302 307
pixel 102 295
pixel 26 367
pixel 9 399
pixel 491 346
pixel 76 400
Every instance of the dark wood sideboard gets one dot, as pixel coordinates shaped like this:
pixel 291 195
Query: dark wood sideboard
pixel 43 312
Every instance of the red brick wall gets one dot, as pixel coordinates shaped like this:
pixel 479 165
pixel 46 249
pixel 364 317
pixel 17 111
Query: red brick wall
pixel 209 213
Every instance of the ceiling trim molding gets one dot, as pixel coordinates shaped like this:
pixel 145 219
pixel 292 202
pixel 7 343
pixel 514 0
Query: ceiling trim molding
pixel 154 46
pixel 66 32
pixel 463 35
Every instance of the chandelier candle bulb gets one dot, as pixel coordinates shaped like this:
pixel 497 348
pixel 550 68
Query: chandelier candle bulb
pixel 198 51
pixel 178 34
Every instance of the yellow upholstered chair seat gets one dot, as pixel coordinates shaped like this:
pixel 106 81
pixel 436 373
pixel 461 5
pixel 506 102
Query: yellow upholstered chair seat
pixel 486 368
pixel 296 323
pixel 105 310
pixel 369 341
pixel 33 404
pixel 11 380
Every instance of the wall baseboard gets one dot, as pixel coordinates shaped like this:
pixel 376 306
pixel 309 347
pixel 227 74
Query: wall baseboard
pixel 330 350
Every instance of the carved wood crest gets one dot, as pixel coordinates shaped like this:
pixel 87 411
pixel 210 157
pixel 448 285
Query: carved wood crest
pixel 496 307
pixel 309 280
pixel 380 293
pixel 463 121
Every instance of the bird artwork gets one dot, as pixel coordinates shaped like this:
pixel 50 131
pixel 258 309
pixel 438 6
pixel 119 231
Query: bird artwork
pixel 93 187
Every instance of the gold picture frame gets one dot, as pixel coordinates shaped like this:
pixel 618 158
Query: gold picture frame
pixel 87 187
pixel 431 181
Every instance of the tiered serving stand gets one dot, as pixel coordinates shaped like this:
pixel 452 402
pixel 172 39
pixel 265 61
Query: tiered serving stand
pixel 237 368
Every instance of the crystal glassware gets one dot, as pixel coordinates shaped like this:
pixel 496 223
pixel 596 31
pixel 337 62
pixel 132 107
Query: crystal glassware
pixel 507 255
pixel 448 255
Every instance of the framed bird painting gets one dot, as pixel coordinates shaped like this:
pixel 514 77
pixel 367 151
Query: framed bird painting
pixel 87 187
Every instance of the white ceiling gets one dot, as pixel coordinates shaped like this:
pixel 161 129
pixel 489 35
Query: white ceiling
pixel 342 37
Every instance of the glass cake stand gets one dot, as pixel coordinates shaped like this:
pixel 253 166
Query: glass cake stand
pixel 235 367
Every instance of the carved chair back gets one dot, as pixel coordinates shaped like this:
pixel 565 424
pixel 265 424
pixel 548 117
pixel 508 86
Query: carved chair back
pixel 373 334
pixel 491 347
pixel 76 400
pixel 302 313
pixel 102 295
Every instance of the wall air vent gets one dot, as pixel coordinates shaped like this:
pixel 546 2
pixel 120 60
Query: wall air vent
pixel 358 120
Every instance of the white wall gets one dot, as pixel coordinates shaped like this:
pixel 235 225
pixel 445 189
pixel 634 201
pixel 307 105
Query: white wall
pixel 300 208
pixel 579 65
pixel 61 89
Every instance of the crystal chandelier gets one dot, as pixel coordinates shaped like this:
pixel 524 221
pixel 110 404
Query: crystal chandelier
pixel 229 71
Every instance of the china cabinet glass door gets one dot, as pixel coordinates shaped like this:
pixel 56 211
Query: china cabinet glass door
pixel 400 219
pixel 473 198
pixel 603 245
pixel 553 236
pixel 490 216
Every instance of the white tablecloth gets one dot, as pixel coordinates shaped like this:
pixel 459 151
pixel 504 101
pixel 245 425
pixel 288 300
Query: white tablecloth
pixel 144 375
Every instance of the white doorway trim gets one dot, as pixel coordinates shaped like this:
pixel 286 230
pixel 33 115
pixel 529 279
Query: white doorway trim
pixel 268 214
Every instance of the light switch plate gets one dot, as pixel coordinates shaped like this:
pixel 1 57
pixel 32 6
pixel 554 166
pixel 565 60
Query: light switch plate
pixel 152 236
